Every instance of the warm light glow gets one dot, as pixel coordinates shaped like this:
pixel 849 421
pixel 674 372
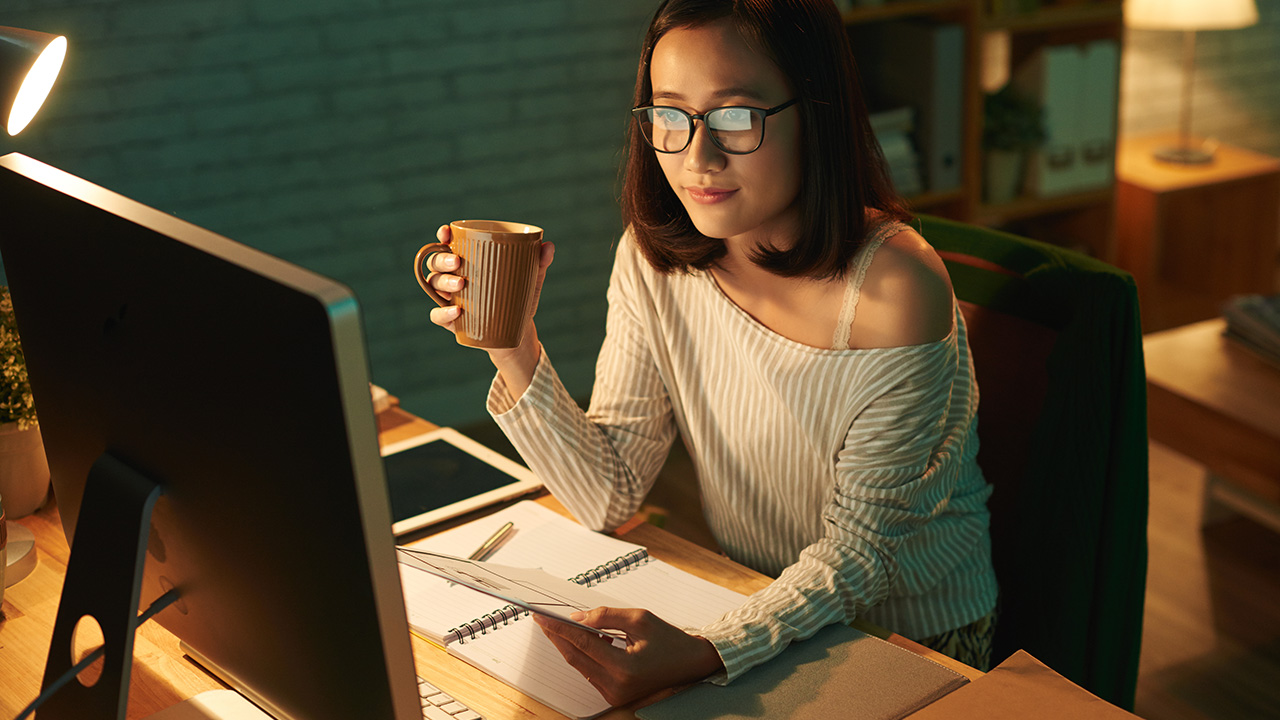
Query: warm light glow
pixel 1190 14
pixel 35 88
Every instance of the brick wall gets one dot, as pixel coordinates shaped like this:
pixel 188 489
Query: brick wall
pixel 338 134
pixel 1236 92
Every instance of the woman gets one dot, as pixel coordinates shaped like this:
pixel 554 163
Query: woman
pixel 768 303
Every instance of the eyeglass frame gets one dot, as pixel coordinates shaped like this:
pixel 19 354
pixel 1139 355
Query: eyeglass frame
pixel 635 113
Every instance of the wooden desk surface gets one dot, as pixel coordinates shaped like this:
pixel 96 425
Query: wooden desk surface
pixel 1217 403
pixel 162 676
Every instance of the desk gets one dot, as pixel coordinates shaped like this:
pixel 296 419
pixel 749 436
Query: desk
pixel 1193 235
pixel 163 677
pixel 1218 404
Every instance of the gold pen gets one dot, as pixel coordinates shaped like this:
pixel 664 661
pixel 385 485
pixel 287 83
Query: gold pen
pixel 492 543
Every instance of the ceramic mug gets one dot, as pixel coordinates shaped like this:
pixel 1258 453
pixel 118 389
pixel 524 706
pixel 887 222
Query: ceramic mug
pixel 499 261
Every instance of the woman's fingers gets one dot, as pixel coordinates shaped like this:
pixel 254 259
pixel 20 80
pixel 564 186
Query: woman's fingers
pixel 443 262
pixel 584 652
pixel 444 316
pixel 546 254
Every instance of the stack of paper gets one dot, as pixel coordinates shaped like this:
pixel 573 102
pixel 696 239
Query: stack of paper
pixel 1254 322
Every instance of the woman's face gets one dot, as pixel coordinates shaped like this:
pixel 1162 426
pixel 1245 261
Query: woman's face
pixel 751 197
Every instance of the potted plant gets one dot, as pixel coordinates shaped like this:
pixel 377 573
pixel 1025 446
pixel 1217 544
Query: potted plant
pixel 24 470
pixel 1012 126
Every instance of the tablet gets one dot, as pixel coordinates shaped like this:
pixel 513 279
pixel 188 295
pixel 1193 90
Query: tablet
pixel 444 474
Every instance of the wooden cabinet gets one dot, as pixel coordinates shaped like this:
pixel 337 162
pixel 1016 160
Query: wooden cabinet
pixel 1193 235
pixel 1081 220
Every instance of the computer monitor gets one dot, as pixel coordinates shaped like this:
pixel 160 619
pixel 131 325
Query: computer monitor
pixel 173 367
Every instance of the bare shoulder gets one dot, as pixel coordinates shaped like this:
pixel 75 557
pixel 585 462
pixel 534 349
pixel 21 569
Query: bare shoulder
pixel 906 296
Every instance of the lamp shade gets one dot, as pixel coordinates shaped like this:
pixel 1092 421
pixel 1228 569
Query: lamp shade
pixel 29 64
pixel 1190 14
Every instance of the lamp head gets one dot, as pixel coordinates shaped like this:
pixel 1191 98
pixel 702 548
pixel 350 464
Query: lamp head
pixel 1190 14
pixel 29 64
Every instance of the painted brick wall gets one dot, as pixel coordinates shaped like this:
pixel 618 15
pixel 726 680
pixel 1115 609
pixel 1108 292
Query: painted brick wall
pixel 338 134
pixel 1236 94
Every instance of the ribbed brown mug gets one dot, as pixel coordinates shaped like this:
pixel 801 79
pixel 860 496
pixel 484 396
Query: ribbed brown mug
pixel 499 261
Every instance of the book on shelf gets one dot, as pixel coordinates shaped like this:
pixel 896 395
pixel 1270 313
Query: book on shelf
pixel 919 63
pixel 1253 321
pixel 497 637
pixel 893 129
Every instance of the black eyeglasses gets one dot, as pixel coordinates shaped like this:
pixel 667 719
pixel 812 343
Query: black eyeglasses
pixel 736 130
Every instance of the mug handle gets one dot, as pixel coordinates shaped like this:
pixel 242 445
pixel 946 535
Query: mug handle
pixel 419 261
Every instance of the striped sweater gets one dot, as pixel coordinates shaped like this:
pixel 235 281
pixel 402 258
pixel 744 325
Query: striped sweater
pixel 848 475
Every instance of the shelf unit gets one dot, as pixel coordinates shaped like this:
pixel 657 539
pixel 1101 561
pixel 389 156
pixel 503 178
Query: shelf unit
pixel 1081 220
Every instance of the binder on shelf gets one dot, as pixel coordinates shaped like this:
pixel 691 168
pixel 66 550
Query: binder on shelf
pixel 1077 85
pixel 920 63
pixel 1100 89
pixel 1054 76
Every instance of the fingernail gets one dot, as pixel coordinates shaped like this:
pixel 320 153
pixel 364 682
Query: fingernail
pixel 577 616
pixel 455 283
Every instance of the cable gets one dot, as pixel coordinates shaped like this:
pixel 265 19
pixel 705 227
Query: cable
pixel 160 603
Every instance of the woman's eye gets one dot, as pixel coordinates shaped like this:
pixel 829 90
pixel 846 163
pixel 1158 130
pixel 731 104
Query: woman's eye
pixel 668 118
pixel 731 119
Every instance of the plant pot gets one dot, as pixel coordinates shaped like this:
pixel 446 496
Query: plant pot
pixel 1003 175
pixel 24 471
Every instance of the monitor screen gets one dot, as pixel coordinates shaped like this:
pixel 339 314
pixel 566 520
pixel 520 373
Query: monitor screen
pixel 161 354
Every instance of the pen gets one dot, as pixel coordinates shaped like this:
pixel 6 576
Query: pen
pixel 492 543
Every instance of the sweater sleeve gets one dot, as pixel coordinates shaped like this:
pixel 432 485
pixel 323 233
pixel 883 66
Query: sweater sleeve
pixel 889 483
pixel 600 464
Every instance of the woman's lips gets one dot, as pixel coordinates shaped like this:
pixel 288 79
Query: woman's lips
pixel 708 195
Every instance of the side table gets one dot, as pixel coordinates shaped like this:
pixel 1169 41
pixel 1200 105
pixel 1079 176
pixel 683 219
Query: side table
pixel 1193 235
pixel 1218 404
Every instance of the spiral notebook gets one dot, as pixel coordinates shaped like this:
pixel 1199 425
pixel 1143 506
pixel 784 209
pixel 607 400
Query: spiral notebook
pixel 498 638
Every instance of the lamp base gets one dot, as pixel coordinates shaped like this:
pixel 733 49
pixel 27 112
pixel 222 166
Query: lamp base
pixel 1185 155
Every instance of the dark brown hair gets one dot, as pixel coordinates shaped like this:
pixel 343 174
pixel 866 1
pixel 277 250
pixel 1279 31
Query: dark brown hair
pixel 843 171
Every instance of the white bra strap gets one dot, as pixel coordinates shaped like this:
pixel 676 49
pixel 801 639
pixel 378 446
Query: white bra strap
pixel 853 291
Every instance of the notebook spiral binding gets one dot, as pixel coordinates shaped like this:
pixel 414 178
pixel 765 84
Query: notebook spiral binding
pixel 509 614
pixel 613 568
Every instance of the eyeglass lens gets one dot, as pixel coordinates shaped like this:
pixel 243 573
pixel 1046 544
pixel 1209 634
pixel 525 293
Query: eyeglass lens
pixel 734 129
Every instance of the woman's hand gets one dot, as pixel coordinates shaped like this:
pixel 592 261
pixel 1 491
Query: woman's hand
pixel 657 656
pixel 515 364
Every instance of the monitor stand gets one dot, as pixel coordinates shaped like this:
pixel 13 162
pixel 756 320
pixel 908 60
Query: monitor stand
pixel 103 583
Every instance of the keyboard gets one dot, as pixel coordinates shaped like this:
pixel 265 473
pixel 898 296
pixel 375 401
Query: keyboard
pixel 438 705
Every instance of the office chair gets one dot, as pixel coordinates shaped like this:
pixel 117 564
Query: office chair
pixel 1057 350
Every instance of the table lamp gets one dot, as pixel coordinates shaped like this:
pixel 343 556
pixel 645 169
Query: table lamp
pixel 1188 16
pixel 29 65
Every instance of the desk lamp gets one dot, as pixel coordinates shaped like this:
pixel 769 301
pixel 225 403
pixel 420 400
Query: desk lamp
pixel 1188 16
pixel 29 64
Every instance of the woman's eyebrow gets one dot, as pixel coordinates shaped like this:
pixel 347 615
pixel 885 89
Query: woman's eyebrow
pixel 737 92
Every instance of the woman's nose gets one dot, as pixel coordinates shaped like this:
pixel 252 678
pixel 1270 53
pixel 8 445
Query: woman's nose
pixel 703 155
